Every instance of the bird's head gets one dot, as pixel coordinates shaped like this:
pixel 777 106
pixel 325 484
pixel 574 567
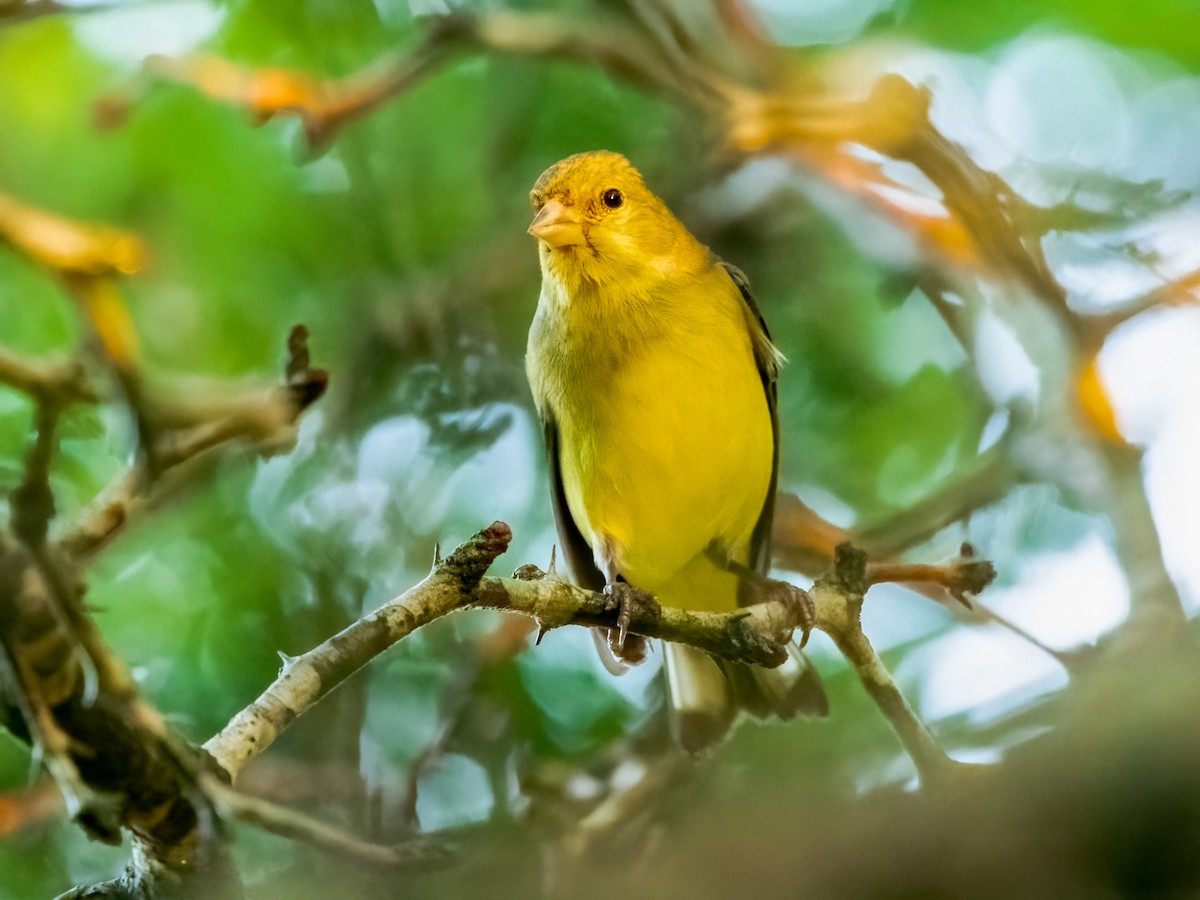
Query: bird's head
pixel 596 222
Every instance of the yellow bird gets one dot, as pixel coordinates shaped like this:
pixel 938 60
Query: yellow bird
pixel 654 376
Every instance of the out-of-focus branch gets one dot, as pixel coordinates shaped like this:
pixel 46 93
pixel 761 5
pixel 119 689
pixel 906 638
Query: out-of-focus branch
pixel 772 104
pixel 87 259
pixel 326 106
pixel 803 541
pixel 1182 291
pixel 982 225
pixel 991 478
pixel 188 428
pixel 625 810
pixel 459 700
pixel 14 11
pixel 419 853
pixel 962 577
pixel 118 765
pixel 47 381
pixel 806 542
pixel 32 503
pixel 115 762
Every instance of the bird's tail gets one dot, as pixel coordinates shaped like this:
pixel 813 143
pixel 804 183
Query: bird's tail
pixel 705 694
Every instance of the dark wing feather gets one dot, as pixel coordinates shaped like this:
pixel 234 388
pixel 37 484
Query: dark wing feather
pixel 578 553
pixel 766 357
pixel 770 690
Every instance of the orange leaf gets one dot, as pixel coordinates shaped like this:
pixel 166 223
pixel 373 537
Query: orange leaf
pixel 29 806
pixel 322 105
pixel 1096 405
pixel 68 246
pixel 106 309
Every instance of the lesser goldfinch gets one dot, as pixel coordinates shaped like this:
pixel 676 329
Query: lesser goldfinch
pixel 654 376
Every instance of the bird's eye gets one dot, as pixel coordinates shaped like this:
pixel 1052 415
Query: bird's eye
pixel 612 198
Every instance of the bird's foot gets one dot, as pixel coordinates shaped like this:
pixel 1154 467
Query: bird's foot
pixel 771 590
pixel 628 600
pixel 795 599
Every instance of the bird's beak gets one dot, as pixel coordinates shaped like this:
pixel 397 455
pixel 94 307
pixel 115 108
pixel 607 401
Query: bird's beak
pixel 558 225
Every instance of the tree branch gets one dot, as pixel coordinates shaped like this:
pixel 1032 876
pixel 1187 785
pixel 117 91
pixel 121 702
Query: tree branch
pixel 756 634
pixel 61 383
pixel 325 107
pixel 186 428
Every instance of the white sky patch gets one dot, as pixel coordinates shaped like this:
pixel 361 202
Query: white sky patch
pixel 747 188
pixel 1063 599
pixel 1081 120
pixel 397 455
pixel 1174 238
pixel 908 201
pixel 1163 142
pixel 1151 368
pixel 126 36
pixel 996 427
pixel 1173 486
pixel 894 615
pixel 1069 598
pixel 1096 271
pixel 1005 369
pixel 915 336
pixel 817 21
pixel 974 668
pixel 456 792
pixel 958 82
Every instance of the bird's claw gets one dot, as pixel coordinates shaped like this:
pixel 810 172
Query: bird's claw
pixel 797 600
pixel 807 612
pixel 626 599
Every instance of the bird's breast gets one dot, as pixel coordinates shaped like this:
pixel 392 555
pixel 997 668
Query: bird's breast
pixel 665 445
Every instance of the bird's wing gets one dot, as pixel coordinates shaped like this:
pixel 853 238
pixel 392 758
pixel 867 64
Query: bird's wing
pixel 578 552
pixel 767 358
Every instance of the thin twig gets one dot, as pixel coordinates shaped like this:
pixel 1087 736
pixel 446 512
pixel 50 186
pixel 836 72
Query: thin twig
pixel 962 577
pixel 839 606
pixel 49 380
pixel 418 853
pixel 266 418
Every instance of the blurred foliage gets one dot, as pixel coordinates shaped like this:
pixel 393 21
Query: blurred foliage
pixel 402 248
pixel 1158 25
